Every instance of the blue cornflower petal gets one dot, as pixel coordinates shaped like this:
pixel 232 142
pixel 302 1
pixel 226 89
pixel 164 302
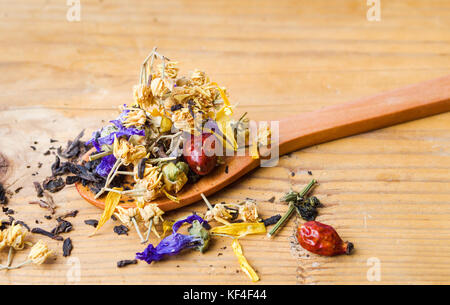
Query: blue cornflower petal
pixel 106 165
pixel 173 243
pixel 189 219
pixel 97 140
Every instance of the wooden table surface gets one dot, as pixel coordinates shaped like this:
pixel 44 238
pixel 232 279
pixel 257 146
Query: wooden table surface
pixel 387 191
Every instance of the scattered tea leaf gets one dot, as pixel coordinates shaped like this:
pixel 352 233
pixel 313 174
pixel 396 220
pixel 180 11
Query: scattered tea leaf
pixel 121 230
pixel 67 247
pixel 53 184
pixel 39 190
pixel 46 233
pixel 126 262
pixel 272 220
pixel 91 222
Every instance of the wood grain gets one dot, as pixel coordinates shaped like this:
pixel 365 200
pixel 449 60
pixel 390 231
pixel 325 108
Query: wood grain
pixel 387 191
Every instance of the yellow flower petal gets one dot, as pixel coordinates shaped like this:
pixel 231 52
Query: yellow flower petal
pixel 245 266
pixel 171 197
pixel 167 226
pixel 240 229
pixel 254 150
pixel 111 202
pixel 222 94
pixel 223 117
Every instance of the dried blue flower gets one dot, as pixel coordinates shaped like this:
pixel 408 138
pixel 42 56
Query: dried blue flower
pixel 172 244
pixel 94 140
pixel 189 219
pixel 106 165
pixel 105 136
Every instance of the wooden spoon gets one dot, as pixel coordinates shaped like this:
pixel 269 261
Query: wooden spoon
pixel 303 130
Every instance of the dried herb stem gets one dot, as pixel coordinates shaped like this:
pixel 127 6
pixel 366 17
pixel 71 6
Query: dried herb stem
pixel 125 173
pixel 110 177
pixel 137 229
pixel 290 210
pixel 15 267
pixel 149 230
pixel 308 188
pixel 282 220
pixel 161 159
pixel 10 256
pixel 206 201
pixel 100 155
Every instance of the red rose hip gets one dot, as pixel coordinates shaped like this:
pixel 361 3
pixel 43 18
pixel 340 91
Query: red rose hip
pixel 200 154
pixel 322 239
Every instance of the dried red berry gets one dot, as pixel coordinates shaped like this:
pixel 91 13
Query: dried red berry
pixel 322 239
pixel 201 158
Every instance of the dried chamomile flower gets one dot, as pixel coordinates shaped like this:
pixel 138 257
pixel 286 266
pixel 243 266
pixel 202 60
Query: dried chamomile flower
pixel 199 78
pixel 248 211
pixel 151 215
pixel 160 87
pixel 151 211
pixel 39 253
pixel 179 95
pixel 13 237
pixel 220 213
pixel 127 152
pixel 126 215
pixel 203 98
pixel 183 119
pixel 151 183
pixel 135 118
pixel 170 70
pixel 148 194
pixel 143 97
pixel 129 217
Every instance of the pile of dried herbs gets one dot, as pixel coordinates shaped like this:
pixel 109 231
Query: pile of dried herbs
pixel 146 143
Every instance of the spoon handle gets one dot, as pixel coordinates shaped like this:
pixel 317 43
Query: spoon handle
pixel 378 111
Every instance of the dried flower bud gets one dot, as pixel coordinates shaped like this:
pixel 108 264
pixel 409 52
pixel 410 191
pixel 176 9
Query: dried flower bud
pixel 219 213
pixel 151 211
pixel 136 118
pixel 160 87
pixel 143 97
pixel 170 70
pixel 151 183
pixel 248 211
pixel 126 215
pixel 183 119
pixel 174 178
pixel 39 253
pixel 166 124
pixel 199 78
pixel 129 153
pixel 14 237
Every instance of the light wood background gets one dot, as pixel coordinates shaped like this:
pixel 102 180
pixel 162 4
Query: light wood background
pixel 387 191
